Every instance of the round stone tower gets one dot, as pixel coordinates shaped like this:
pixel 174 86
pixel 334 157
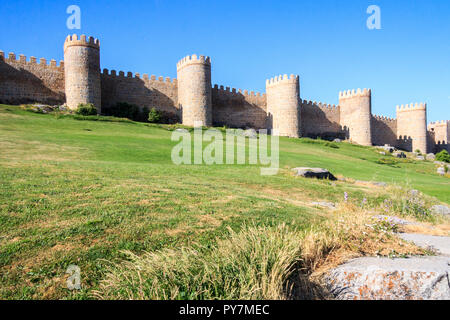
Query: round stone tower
pixel 356 115
pixel 283 105
pixel 82 71
pixel 194 90
pixel 412 126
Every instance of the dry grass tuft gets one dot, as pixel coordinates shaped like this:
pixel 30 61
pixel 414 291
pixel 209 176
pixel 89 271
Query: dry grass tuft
pixel 259 262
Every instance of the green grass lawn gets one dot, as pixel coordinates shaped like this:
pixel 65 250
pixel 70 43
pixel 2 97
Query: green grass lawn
pixel 78 192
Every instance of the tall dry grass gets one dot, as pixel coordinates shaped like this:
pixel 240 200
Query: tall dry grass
pixel 256 263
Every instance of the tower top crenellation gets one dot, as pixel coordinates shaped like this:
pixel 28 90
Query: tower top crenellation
pixel 193 59
pixel 281 79
pixel 84 41
pixel 411 107
pixel 355 93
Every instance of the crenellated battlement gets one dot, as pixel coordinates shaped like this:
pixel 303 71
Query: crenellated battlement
pixel 144 77
pixel 439 123
pixel 411 107
pixel 321 105
pixel 355 93
pixel 194 59
pixel 84 41
pixel 282 80
pixel 384 119
pixel 234 91
pixel 12 59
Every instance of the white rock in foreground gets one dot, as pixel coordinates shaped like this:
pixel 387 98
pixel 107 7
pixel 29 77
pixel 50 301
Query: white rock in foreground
pixel 424 278
pixel 440 209
pixel 435 243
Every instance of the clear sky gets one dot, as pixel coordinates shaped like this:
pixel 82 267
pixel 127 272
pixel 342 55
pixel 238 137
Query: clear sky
pixel 326 42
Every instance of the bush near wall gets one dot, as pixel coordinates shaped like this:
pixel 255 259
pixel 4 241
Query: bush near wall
pixel 154 116
pixel 443 156
pixel 124 110
pixel 86 110
pixel 158 116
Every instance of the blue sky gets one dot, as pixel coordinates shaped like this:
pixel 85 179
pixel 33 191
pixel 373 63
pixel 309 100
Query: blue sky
pixel 326 42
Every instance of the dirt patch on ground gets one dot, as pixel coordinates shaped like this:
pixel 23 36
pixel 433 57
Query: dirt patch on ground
pixel 428 229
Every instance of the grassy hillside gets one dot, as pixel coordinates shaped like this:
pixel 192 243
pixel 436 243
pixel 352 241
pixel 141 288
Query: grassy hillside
pixel 77 192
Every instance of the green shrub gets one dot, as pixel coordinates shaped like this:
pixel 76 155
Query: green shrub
pixel 124 110
pixel 387 161
pixel 154 116
pixel 86 110
pixel 409 203
pixel 443 156
pixel 332 145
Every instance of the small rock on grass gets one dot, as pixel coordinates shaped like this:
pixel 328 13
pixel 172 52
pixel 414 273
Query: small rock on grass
pixel 317 173
pixel 324 204
pixel 440 209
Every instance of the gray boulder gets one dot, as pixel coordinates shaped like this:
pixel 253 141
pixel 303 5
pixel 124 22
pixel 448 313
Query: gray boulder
pixel 337 140
pixel 421 278
pixel 420 158
pixel 431 156
pixel 440 209
pixel 317 173
pixel 441 245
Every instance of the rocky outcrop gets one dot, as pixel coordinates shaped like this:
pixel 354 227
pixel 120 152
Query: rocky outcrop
pixel 441 245
pixel 424 278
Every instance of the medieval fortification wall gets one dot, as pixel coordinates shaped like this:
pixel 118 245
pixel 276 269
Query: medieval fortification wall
pixel 26 81
pixel 320 120
pixel 384 131
pixel 191 98
pixel 238 109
